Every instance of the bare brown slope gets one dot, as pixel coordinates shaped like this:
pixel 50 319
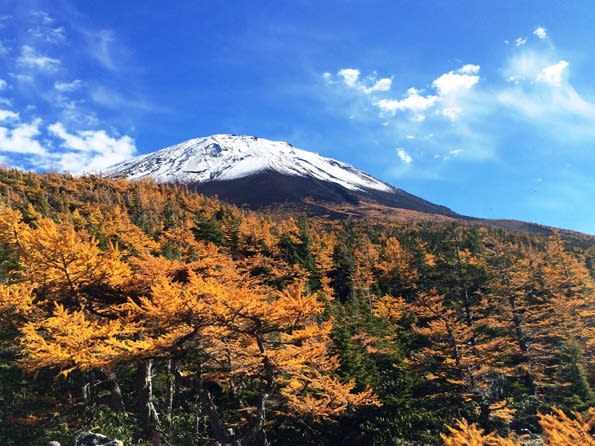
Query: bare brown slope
pixel 271 189
pixel 290 195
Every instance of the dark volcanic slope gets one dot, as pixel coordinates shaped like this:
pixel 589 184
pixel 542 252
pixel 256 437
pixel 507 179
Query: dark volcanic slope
pixel 269 188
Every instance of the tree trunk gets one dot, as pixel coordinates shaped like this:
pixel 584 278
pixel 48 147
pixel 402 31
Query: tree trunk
pixel 171 388
pixel 518 329
pixel 85 387
pixel 218 428
pixel 171 391
pixel 258 434
pixel 144 399
pixel 484 416
pixel 115 401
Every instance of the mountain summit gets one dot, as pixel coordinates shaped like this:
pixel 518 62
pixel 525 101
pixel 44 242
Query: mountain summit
pixel 229 157
pixel 257 173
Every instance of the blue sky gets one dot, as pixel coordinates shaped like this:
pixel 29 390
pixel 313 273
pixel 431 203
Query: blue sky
pixel 487 107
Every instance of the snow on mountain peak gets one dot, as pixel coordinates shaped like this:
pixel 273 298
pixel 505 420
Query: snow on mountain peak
pixel 227 157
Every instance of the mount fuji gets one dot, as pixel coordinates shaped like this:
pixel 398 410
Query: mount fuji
pixel 259 173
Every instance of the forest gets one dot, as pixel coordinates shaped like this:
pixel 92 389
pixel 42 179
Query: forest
pixel 155 315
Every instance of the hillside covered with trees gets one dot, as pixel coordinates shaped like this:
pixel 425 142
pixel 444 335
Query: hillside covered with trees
pixel 143 310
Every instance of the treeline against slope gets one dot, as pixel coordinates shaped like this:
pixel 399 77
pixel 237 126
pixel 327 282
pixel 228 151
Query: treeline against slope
pixel 138 309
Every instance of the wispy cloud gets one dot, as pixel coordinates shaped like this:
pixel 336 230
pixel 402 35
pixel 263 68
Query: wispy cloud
pixel 31 58
pixel 67 87
pixel 540 92
pixel 524 65
pixel 43 17
pixel 404 156
pixel 103 47
pixel 114 100
pixel 43 29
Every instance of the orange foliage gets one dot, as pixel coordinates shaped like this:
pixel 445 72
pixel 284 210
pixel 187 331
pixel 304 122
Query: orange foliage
pixel 561 430
pixel 558 430
pixel 247 334
pixel 465 434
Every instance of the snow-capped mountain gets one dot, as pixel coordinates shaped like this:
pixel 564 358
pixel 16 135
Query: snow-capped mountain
pixel 229 157
pixel 257 172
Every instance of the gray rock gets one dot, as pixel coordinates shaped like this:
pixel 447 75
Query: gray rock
pixel 53 443
pixel 93 439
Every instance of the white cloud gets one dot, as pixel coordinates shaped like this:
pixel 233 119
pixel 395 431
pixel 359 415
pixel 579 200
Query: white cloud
pixel 520 41
pixel 450 88
pixel 540 32
pixel 452 107
pixel 413 102
pixel 472 117
pixel 469 69
pixel 3 84
pixel 67 87
pixel 90 149
pixel 553 74
pixel 404 156
pixel 350 76
pixel 327 76
pixel 7 115
pixel 31 58
pixel 383 84
pixel 453 82
pixel 22 139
